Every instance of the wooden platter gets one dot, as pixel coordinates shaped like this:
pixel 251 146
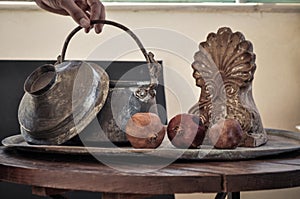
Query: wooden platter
pixel 280 141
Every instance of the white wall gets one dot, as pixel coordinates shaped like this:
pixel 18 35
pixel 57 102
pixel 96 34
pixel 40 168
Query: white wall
pixel 35 34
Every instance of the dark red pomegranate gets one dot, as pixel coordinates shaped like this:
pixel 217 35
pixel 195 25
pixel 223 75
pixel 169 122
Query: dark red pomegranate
pixel 186 131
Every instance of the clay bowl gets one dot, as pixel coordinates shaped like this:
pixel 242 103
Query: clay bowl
pixel 61 100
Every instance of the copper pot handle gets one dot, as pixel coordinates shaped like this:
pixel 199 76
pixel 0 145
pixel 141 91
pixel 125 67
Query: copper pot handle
pixel 153 65
pixel 112 23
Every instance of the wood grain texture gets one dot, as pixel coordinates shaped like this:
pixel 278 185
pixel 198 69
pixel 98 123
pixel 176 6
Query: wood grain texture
pixel 85 173
pixel 65 172
pixel 252 175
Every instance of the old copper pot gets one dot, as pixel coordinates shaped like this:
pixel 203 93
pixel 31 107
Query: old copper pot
pixel 61 100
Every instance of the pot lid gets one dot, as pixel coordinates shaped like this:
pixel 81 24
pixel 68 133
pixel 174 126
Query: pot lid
pixel 61 100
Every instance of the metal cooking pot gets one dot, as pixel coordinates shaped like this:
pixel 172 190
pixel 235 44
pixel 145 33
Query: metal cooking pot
pixel 61 100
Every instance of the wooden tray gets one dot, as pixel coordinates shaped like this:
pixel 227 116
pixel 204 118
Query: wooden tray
pixel 280 141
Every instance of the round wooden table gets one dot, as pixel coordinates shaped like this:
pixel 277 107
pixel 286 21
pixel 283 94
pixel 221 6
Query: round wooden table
pixel 54 174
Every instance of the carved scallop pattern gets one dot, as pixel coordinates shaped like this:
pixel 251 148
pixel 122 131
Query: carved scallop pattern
pixel 224 69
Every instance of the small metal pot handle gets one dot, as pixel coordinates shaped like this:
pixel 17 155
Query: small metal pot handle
pixel 154 66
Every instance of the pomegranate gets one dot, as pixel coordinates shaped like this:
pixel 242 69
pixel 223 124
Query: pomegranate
pixel 145 130
pixel 186 131
pixel 225 134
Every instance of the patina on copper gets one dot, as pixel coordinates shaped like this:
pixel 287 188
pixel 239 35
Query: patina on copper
pixel 61 100
pixel 224 69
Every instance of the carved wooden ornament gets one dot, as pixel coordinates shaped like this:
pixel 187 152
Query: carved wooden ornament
pixel 224 69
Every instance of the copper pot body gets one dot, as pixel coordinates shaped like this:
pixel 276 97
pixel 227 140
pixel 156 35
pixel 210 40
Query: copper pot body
pixel 125 98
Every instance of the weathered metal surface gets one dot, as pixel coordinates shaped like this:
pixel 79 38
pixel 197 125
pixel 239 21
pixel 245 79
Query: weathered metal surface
pixel 224 69
pixel 61 100
pixel 125 97
pixel 122 102
pixel 280 142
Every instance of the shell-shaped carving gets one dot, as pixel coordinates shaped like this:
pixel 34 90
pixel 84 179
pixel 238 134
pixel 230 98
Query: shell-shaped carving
pixel 224 68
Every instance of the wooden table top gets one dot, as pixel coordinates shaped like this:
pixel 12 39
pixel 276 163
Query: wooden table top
pixel 85 173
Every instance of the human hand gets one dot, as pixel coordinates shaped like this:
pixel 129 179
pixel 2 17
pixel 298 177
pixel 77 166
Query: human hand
pixel 82 11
